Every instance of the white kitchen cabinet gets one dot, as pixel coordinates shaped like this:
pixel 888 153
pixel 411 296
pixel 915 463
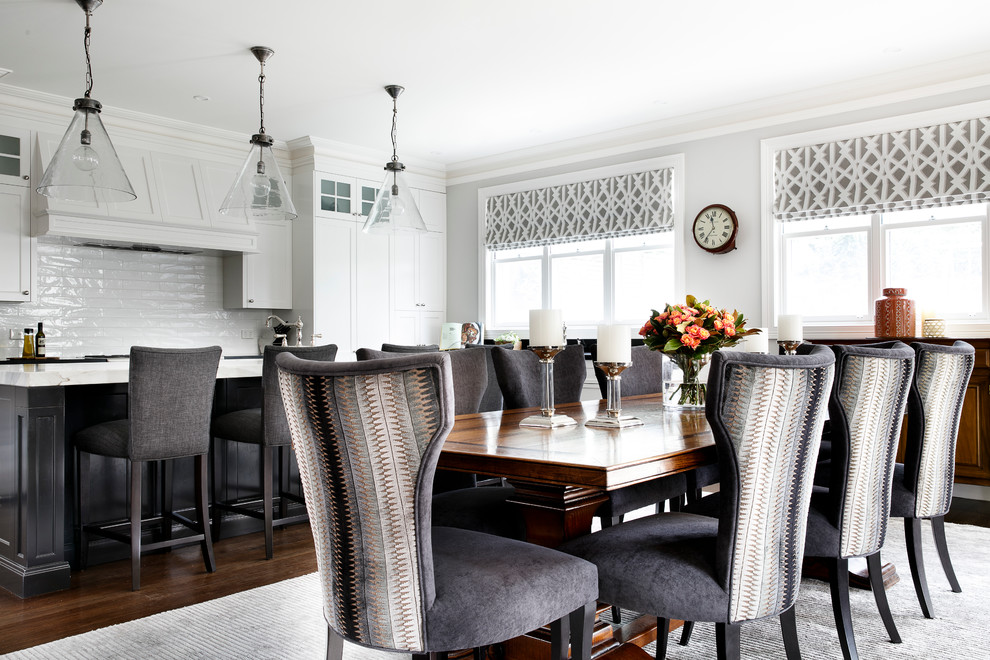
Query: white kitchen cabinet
pixel 262 280
pixel 334 277
pixel 412 328
pixel 372 277
pixel 343 197
pixel 15 244
pixel 15 156
pixel 433 208
pixel 419 279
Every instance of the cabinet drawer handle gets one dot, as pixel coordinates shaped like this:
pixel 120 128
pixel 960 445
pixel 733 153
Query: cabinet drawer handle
pixel 26 177
pixel 250 300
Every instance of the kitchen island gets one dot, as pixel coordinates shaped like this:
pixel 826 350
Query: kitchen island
pixel 41 407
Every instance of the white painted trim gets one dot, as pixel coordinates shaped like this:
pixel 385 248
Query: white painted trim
pixel 971 492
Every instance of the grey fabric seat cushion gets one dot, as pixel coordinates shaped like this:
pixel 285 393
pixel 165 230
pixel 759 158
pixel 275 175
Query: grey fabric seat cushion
pixel 106 439
pixel 240 425
pixel 902 500
pixel 663 565
pixel 483 509
pixel 627 499
pixel 491 589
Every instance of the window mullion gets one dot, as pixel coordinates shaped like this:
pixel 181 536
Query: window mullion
pixel 608 275
pixel 547 278
pixel 878 261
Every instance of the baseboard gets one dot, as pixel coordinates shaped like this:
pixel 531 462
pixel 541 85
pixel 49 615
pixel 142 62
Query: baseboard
pixel 971 492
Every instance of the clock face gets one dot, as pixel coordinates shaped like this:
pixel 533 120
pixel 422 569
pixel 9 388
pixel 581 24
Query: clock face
pixel 715 228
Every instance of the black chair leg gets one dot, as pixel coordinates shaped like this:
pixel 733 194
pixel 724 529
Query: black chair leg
pixel 560 634
pixel 880 595
pixel 663 634
pixel 335 645
pixel 135 525
pixel 82 510
pixel 938 531
pixel 203 507
pixel 912 538
pixel 838 579
pixel 478 652
pixel 788 629
pixel 217 489
pixel 727 641
pixel 686 631
pixel 582 622
pixel 166 488
pixel 266 497
pixel 284 462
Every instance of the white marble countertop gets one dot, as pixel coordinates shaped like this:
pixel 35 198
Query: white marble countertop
pixel 52 373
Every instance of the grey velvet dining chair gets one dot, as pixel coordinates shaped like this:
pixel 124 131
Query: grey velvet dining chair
pixel 169 401
pixel 849 517
pixel 521 380
pixel 368 436
pixel 922 485
pixel 265 428
pixel 766 414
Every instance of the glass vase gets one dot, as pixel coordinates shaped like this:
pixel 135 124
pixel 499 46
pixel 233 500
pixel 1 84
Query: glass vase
pixel 684 383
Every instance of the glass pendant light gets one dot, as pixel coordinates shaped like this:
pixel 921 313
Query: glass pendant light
pixel 394 207
pixel 85 167
pixel 259 191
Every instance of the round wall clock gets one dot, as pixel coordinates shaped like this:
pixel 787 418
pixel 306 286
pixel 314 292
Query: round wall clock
pixel 715 229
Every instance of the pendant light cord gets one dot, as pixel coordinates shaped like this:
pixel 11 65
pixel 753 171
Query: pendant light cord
pixel 261 97
pixel 395 113
pixel 89 63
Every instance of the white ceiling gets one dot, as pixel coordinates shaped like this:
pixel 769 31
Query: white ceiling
pixel 488 78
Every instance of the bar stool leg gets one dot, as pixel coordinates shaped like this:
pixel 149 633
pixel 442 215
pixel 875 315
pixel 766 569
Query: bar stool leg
pixel 203 507
pixel 266 497
pixel 135 525
pixel 166 472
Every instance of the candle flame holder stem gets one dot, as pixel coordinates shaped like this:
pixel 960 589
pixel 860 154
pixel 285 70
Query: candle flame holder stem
pixel 789 345
pixel 547 419
pixel 613 417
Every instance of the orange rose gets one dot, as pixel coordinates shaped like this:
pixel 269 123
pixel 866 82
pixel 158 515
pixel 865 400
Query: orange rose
pixel 690 341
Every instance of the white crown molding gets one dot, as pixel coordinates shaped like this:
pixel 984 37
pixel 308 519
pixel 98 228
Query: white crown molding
pixel 908 85
pixel 333 156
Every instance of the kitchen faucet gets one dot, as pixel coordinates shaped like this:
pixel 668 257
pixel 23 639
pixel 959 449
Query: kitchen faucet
pixel 282 327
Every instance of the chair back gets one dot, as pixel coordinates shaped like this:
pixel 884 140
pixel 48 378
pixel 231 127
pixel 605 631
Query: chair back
pixel 766 413
pixel 520 376
pixel 169 401
pixel 275 430
pixel 367 437
pixel 645 376
pixel 405 348
pixel 866 409
pixel 941 376
pixel 470 373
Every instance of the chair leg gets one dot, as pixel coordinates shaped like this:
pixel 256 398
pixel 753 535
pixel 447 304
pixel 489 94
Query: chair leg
pixel 203 506
pixel 582 622
pixel 912 538
pixel 266 497
pixel 82 507
pixel 727 641
pixel 938 531
pixel 838 579
pixel 217 490
pixel 788 629
pixel 560 634
pixel 283 480
pixel 335 645
pixel 880 595
pixel 686 631
pixel 663 633
pixel 166 500
pixel 478 652
pixel 135 525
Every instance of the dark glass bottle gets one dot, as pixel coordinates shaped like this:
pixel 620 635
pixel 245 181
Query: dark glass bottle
pixel 39 341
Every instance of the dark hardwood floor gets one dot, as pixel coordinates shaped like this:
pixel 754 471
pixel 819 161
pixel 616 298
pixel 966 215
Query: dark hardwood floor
pixel 101 596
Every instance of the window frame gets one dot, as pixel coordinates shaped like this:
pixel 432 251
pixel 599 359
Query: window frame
pixel 486 263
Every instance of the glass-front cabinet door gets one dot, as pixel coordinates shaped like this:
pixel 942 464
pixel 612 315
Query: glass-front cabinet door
pixel 344 198
pixel 15 151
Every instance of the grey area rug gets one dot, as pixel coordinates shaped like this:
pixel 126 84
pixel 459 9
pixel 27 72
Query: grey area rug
pixel 228 627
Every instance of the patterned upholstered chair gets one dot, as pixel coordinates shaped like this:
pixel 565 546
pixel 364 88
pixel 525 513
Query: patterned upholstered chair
pixel 169 401
pixel 849 518
pixel 923 483
pixel 521 379
pixel 368 436
pixel 766 414
pixel 266 428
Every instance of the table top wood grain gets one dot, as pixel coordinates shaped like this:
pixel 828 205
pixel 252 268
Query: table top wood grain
pixel 494 444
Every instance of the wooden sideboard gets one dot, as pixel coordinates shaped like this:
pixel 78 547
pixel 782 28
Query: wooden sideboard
pixel 972 450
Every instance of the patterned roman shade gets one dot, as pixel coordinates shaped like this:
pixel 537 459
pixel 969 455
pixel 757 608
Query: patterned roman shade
pixel 622 205
pixel 939 165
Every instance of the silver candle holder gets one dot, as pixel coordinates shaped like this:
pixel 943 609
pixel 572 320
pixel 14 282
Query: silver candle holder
pixel 547 419
pixel 613 417
pixel 789 345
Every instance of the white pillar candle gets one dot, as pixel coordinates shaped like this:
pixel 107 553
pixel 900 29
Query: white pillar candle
pixel 789 328
pixel 614 343
pixel 757 343
pixel 546 327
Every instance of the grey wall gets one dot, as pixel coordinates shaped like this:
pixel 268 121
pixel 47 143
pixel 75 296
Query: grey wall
pixel 723 169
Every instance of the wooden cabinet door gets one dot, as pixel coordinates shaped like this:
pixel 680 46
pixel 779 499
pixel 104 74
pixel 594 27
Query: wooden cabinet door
pixel 972 453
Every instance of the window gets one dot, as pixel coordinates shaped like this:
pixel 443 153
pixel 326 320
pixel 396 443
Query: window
pixel 833 269
pixel 598 281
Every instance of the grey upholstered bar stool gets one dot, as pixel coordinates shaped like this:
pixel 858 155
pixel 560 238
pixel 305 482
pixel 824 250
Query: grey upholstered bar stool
pixel 265 427
pixel 169 401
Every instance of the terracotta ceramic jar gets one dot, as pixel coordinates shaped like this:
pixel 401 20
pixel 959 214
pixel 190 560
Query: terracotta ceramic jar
pixel 894 314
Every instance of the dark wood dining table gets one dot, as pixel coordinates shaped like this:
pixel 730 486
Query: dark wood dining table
pixel 562 475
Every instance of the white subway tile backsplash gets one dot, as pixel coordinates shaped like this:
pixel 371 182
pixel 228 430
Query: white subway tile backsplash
pixel 95 301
